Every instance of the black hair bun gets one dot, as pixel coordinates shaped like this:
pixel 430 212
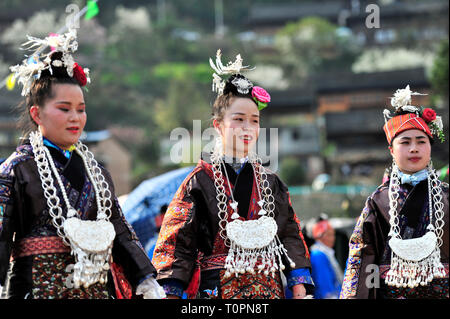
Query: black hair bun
pixel 238 85
pixel 58 69
pixel 400 111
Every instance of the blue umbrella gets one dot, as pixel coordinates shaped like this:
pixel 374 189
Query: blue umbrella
pixel 143 204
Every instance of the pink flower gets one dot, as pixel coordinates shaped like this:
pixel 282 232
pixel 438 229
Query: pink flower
pixel 260 94
pixel 53 41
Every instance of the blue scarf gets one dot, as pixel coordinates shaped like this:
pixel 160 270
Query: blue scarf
pixel 237 164
pixel 66 153
pixel 413 179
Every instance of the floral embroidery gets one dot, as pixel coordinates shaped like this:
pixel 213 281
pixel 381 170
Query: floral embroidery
pixel 49 279
pixel 299 280
pixel 352 272
pixel 251 286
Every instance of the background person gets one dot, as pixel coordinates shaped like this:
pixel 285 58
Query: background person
pixel 326 272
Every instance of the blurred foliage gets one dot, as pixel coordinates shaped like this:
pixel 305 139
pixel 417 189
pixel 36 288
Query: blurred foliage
pixel 149 61
pixel 439 71
pixel 185 101
pixel 314 45
pixel 379 60
pixel 292 171
pixel 146 72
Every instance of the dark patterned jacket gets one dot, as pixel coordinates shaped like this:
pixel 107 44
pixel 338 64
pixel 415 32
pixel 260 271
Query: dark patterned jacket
pixel 190 239
pixel 24 218
pixel 369 246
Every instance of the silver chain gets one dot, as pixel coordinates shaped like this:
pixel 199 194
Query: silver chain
pixel 45 167
pixel 50 191
pixel 434 201
pixel 101 187
pixel 263 185
pixel 394 188
pixel 435 195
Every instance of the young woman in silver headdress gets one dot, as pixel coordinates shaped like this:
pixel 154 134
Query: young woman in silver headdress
pixel 60 222
pixel 400 246
pixel 230 230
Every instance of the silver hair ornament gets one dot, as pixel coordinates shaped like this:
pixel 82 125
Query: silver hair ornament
pixel 235 67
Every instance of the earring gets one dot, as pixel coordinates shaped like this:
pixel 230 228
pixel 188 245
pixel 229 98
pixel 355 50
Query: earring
pixel 218 147
pixel 430 165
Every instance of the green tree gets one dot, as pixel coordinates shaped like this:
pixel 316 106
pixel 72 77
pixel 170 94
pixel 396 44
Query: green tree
pixel 185 101
pixel 439 71
pixel 292 171
pixel 313 45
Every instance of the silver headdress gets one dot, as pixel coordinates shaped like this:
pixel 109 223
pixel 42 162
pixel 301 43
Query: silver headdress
pixel 32 67
pixel 243 85
pixel 402 101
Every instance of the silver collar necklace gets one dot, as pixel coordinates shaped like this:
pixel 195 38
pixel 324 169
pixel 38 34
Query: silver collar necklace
pixel 416 261
pixel 90 240
pixel 253 244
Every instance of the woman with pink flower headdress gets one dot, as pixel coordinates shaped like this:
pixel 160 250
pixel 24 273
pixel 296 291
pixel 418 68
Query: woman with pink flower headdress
pixel 400 245
pixel 230 230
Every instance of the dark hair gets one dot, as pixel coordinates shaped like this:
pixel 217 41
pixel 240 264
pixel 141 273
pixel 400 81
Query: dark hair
pixel 42 90
pixel 399 111
pixel 230 92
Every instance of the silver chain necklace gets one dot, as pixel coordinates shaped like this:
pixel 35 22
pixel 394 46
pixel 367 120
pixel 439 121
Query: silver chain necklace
pixel 253 244
pixel 90 240
pixel 416 261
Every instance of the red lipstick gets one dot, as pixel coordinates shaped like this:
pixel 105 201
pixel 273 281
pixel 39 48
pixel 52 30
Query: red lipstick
pixel 73 129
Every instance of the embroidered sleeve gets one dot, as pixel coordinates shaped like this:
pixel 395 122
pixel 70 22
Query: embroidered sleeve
pixel 127 249
pixel 175 252
pixel 292 236
pixel 123 228
pixel 173 287
pixel 6 211
pixel 5 197
pixel 299 276
pixel 177 216
pixel 353 267
pixel 129 228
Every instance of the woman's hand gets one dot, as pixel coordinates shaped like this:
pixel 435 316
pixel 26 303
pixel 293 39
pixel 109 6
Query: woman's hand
pixel 298 291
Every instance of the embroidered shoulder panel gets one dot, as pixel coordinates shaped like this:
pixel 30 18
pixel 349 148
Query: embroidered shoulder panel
pixel 352 272
pixel 22 153
pixel 177 215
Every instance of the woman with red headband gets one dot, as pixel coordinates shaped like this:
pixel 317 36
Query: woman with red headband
pixel 400 246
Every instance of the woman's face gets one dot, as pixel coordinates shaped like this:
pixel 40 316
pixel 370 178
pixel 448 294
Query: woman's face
pixel 239 127
pixel 62 118
pixel 411 151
